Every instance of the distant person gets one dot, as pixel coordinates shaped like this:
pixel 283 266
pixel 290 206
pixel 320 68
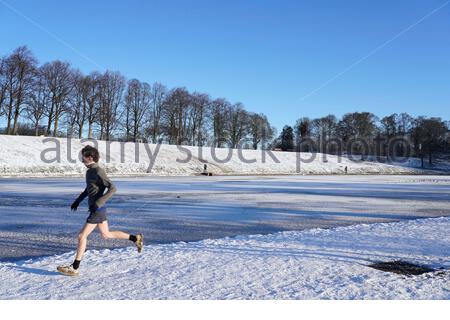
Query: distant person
pixel 346 169
pixel 96 184
pixel 205 170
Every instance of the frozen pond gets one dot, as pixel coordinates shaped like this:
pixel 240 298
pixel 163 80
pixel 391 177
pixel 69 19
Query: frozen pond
pixel 35 216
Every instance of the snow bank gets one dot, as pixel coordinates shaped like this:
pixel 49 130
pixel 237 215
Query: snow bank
pixel 37 156
pixel 313 264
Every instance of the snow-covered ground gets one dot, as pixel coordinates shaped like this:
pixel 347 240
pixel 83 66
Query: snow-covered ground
pixel 39 156
pixel 35 216
pixel 311 264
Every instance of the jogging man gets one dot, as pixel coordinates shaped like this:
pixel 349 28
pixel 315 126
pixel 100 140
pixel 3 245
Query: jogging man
pixel 96 184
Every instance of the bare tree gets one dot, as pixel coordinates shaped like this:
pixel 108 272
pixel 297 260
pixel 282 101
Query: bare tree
pixel 360 128
pixel 92 100
pixel 111 87
pixel 137 103
pixel 237 124
pixel 260 131
pixel 128 106
pixel 58 77
pixel 219 108
pixel 9 84
pixel 404 123
pixel 153 127
pixel 19 70
pixel 200 105
pixel 3 86
pixel 176 115
pixel 38 101
pixel 389 125
pixel 324 129
pixel 78 111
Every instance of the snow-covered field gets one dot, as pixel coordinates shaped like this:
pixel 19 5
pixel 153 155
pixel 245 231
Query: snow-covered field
pixel 312 264
pixel 39 156
pixel 223 237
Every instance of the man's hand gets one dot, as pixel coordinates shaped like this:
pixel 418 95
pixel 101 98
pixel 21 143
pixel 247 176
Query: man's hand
pixel 74 206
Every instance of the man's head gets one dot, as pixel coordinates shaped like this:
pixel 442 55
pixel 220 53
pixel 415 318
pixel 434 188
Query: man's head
pixel 90 155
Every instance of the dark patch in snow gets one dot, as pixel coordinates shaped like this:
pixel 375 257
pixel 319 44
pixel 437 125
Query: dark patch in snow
pixel 401 267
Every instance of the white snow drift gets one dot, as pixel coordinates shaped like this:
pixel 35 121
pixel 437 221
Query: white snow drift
pixel 313 264
pixel 40 156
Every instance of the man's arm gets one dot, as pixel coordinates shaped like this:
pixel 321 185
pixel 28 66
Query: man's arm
pixel 82 196
pixel 108 184
pixel 78 200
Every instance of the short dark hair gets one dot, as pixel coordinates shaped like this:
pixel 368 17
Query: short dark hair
pixel 90 151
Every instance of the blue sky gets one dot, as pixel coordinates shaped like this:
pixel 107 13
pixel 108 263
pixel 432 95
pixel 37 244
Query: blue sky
pixel 270 55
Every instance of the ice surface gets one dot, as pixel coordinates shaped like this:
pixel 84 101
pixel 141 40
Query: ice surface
pixel 36 218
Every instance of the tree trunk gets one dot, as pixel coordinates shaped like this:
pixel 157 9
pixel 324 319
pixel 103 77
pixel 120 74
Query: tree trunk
pixel 80 131
pixel 135 133
pixel 90 130
pixel 8 127
pixel 16 118
pixel 55 128
pixel 49 124
pixel 101 131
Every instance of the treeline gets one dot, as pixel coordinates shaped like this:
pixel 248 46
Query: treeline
pixel 55 99
pixel 364 134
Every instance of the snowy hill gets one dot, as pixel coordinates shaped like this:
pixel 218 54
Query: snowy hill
pixel 37 156
pixel 312 264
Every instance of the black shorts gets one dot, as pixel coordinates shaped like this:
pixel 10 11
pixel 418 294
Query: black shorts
pixel 97 216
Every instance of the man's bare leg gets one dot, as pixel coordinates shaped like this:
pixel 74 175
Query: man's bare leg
pixel 107 234
pixel 72 270
pixel 82 239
